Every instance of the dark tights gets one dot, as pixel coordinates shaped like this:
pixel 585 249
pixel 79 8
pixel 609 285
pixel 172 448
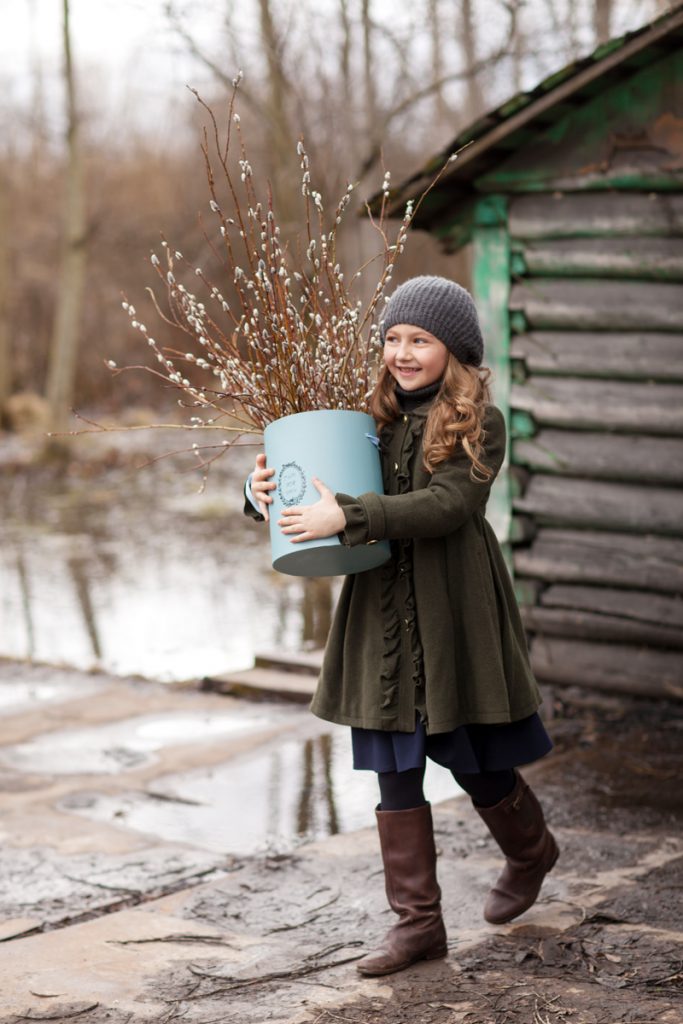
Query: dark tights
pixel 400 791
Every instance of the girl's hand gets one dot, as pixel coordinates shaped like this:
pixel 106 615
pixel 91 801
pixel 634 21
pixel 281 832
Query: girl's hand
pixel 313 522
pixel 261 484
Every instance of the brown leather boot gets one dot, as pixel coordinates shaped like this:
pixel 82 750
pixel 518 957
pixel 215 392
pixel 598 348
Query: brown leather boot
pixel 518 826
pixel 409 856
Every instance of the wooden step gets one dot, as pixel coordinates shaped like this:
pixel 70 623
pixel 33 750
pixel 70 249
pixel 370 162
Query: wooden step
pixel 631 408
pixel 637 355
pixel 263 684
pixel 627 457
pixel 620 668
pixel 641 562
pixel 582 304
pixel 303 662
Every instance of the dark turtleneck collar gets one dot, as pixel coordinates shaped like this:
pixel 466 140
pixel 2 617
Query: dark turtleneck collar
pixel 410 400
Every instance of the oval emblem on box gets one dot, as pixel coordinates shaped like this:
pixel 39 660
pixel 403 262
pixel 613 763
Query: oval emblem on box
pixel 291 484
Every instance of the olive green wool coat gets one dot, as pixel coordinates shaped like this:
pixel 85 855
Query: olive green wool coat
pixel 436 630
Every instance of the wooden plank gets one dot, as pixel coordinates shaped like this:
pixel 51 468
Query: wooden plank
pixel 652 259
pixel 586 215
pixel 640 355
pixel 638 605
pixel 626 457
pixel 303 662
pixel 619 668
pixel 612 559
pixel 566 501
pixel 571 622
pixel 263 684
pixel 629 407
pixel 491 289
pixel 581 304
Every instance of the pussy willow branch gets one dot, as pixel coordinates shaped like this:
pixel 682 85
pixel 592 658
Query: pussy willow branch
pixel 296 339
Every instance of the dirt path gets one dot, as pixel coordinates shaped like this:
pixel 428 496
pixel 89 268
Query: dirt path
pixel 275 938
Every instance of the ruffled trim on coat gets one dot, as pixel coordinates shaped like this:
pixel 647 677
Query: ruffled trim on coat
pixel 400 571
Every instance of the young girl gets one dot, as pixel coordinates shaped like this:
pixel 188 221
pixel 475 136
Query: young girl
pixel 427 655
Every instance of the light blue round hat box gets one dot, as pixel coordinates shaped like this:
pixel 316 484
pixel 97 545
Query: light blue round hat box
pixel 339 447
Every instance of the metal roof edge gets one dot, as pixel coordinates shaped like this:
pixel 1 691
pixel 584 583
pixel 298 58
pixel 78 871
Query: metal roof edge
pixel 568 81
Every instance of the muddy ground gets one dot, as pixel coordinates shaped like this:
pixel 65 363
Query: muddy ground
pixel 275 938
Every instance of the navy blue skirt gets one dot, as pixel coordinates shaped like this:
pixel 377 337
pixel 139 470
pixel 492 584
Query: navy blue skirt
pixel 467 749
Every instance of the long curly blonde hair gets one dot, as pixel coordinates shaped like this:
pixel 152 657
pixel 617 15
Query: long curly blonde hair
pixel 456 416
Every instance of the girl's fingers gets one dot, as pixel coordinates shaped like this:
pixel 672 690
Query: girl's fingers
pixel 320 487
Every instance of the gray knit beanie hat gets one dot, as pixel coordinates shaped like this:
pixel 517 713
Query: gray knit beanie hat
pixel 443 308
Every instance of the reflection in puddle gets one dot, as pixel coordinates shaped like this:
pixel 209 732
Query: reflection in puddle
pixel 119 746
pixel 16 696
pixel 271 798
pixel 134 572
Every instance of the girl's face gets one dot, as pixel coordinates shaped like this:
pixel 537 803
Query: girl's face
pixel 413 356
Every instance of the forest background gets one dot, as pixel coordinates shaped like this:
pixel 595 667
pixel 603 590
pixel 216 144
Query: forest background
pixel 93 171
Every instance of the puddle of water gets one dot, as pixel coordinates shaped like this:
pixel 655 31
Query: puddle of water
pixel 16 696
pixel 120 746
pixel 273 798
pixel 134 572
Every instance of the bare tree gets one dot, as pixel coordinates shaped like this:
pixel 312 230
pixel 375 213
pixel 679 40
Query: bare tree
pixel 475 99
pixel 602 19
pixel 5 376
pixel 278 89
pixel 66 329
pixel 441 110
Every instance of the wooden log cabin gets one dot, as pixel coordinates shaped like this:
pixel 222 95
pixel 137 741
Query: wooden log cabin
pixel 570 197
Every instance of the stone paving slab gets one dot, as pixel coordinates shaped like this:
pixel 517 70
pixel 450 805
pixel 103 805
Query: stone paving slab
pixel 137 928
pixel 68 738
pixel 301 920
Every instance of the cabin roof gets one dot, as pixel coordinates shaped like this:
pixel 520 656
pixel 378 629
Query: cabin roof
pixel 492 137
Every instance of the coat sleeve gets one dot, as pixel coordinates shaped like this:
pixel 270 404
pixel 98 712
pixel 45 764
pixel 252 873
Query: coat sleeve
pixel 447 502
pixel 250 508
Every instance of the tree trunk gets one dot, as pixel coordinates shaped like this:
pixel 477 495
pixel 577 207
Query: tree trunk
pixel 5 377
pixel 278 89
pixel 370 100
pixel 602 16
pixel 474 101
pixel 441 112
pixel 65 335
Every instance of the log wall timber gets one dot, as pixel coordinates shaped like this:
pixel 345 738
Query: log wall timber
pixel 625 560
pixel 593 203
pixel 658 259
pixel 606 613
pixel 602 404
pixel 567 501
pixel 588 305
pixel 570 622
pixel 626 457
pixel 590 215
pixel 640 606
pixel 638 356
pixel 608 666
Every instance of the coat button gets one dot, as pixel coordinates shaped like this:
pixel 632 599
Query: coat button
pixel 405 419
pixel 396 467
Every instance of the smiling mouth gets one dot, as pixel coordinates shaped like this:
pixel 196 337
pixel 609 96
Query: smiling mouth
pixel 408 369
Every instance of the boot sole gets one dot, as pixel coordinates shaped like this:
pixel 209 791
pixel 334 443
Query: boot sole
pixel 523 910
pixel 435 954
